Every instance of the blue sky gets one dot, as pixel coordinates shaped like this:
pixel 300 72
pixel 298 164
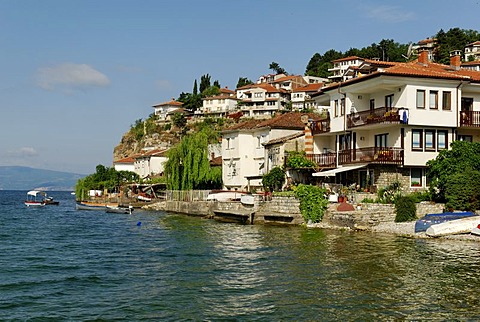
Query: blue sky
pixel 74 75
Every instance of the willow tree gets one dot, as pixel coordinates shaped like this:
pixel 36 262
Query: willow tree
pixel 188 166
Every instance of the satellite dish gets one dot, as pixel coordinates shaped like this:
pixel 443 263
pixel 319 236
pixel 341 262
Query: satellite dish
pixel 409 52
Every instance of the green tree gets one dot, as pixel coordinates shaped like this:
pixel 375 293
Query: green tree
pixel 274 179
pixel 104 178
pixel 275 67
pixel 211 91
pixel 313 202
pixel 242 81
pixel 179 120
pixel 188 166
pixel 204 82
pixel 461 157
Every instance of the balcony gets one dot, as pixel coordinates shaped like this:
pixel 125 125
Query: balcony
pixel 469 119
pixel 370 155
pixel 321 126
pixel 380 115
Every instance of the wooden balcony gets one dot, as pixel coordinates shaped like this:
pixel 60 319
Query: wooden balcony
pixel 372 155
pixel 469 119
pixel 321 126
pixel 379 115
pixel 369 155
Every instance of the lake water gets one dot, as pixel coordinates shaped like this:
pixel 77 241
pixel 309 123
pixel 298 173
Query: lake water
pixel 57 263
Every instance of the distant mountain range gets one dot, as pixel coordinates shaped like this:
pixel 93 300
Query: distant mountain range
pixel 25 178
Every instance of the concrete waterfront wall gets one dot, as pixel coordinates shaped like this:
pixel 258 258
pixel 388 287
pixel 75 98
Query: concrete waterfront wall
pixel 285 210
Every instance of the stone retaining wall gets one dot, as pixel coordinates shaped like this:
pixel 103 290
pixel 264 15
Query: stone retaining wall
pixel 285 210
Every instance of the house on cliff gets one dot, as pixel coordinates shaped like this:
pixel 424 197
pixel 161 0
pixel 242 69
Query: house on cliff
pixel 389 120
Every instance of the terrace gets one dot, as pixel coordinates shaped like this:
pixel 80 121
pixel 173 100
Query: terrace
pixel 379 115
pixel 469 119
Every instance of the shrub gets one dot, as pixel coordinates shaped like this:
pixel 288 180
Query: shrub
pixel 405 208
pixel 298 160
pixel 462 190
pixel 274 179
pixel 390 193
pixel 312 202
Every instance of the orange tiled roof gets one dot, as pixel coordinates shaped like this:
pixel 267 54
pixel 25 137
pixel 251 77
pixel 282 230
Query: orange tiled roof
pixel 346 58
pixel 172 102
pixel 309 88
pixel 267 87
pixel 125 160
pixel 290 121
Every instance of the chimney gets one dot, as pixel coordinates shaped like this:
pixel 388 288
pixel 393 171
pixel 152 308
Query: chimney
pixel 423 57
pixel 455 59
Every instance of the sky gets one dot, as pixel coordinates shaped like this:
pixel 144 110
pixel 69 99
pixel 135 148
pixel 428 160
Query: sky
pixel 76 74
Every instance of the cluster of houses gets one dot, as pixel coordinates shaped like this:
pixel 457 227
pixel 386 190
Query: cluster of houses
pixel 374 122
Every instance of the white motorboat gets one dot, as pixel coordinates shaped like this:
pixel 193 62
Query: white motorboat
pixel 453 227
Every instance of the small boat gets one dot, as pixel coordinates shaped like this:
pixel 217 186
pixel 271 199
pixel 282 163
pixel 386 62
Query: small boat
pixel 247 200
pixel 476 230
pixel 428 220
pixel 50 201
pixel 82 205
pixel 224 196
pixel 453 227
pixel 35 198
pixel 119 209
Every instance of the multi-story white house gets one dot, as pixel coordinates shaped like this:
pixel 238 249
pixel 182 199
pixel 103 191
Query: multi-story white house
pixel 261 100
pixel 385 125
pixel 163 109
pixel 150 163
pixel 301 97
pixel 250 149
pixel 341 65
pixel 219 105
pixel 125 164
pixel 472 50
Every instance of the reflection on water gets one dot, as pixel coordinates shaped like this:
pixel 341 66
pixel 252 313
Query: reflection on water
pixel 62 264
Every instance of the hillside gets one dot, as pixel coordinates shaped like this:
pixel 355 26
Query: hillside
pixel 25 178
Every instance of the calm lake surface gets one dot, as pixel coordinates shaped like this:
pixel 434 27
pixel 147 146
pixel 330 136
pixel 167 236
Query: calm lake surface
pixel 57 263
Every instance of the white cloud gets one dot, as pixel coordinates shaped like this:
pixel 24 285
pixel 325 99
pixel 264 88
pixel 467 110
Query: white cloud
pixel 71 77
pixel 392 14
pixel 26 151
pixel 164 84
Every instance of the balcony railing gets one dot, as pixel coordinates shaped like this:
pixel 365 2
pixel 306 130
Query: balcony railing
pixel 470 119
pixel 376 116
pixel 371 155
pixel 321 126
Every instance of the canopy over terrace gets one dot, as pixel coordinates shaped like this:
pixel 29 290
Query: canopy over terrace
pixel 333 172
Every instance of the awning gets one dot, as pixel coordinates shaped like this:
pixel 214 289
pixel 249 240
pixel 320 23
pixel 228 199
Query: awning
pixel 333 172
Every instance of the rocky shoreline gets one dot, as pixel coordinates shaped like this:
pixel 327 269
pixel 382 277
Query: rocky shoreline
pixel 406 229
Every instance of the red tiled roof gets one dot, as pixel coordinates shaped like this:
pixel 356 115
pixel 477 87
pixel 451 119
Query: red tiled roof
pixel 267 87
pixel 125 160
pixel 346 58
pixel 172 102
pixel 309 88
pixel 290 121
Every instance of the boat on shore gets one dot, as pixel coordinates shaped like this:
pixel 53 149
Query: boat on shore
pixel 454 227
pixel 225 195
pixel 119 209
pixel 422 224
pixel 35 198
pixel 84 205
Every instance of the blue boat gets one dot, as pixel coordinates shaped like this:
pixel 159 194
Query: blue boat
pixel 425 222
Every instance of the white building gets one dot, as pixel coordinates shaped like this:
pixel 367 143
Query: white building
pixel 261 100
pixel 385 125
pixel 163 109
pixel 245 158
pixel 472 51
pixel 125 164
pixel 219 105
pixel 150 163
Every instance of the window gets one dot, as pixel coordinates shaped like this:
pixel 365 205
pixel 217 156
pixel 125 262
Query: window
pixel 420 98
pixel 416 177
pixel 335 108
pixel 342 106
pixel 442 140
pixel 417 140
pixel 447 101
pixel 467 138
pixel 389 101
pixel 259 142
pixel 381 140
pixel 430 140
pixel 345 141
pixel 230 142
pixel 433 100
pixel 372 105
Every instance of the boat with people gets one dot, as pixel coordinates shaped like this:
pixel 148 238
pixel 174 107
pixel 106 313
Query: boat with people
pixel 119 209
pixel 35 198
pixel 422 224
